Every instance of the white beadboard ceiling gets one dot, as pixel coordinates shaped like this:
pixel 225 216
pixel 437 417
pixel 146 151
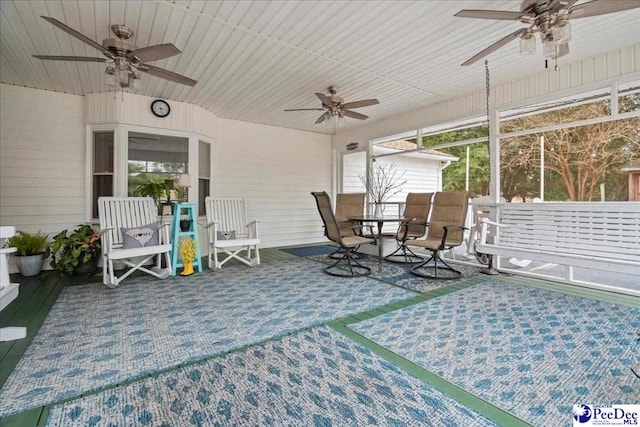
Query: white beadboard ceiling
pixel 253 59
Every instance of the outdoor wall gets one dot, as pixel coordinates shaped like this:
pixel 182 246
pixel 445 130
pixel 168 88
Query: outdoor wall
pixel 422 175
pixel 275 169
pixel 133 109
pixel 42 163
pixel 575 77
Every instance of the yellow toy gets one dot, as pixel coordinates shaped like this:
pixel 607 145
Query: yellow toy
pixel 188 253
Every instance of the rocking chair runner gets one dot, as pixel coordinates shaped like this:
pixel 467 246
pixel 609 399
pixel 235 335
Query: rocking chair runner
pixel 348 241
pixel 132 216
pixel 446 230
pixel 230 233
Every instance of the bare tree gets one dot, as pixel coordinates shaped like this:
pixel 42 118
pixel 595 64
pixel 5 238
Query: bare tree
pixel 580 156
pixel 384 181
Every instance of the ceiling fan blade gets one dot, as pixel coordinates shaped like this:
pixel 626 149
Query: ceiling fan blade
pixel 70 58
pixel 562 49
pixel 305 109
pixel 354 115
pixel 323 98
pixel 78 35
pixel 166 74
pixel 322 118
pixel 492 14
pixel 363 103
pixel 600 7
pixel 497 45
pixel 154 53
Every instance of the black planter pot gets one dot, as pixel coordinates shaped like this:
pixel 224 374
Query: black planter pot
pixel 87 267
pixel 185 225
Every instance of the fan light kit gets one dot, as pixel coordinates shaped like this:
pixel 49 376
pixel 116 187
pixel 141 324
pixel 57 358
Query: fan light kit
pixel 549 18
pixel 125 60
pixel 335 109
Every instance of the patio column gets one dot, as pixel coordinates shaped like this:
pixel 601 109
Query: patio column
pixel 494 155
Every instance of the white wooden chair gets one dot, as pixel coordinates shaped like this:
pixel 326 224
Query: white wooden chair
pixel 230 233
pixel 8 291
pixel 131 214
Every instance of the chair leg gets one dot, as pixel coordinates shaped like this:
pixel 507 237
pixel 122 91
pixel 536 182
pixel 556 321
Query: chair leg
pixel 113 280
pixel 352 268
pixel 105 270
pixel 406 258
pixel 257 258
pixel 422 269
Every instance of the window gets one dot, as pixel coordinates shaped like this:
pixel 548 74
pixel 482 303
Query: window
pixel 204 174
pixel 155 157
pixel 102 167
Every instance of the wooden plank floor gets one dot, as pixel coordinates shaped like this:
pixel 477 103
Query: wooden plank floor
pixel 37 296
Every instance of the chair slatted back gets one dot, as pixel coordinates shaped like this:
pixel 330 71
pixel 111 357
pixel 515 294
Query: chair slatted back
pixel 323 202
pixel 417 206
pixel 449 208
pixel 230 212
pixel 125 212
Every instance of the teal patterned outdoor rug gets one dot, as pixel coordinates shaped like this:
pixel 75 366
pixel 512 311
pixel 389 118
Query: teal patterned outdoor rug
pixel 399 274
pixel 312 378
pixel 305 251
pixel 529 351
pixel 95 336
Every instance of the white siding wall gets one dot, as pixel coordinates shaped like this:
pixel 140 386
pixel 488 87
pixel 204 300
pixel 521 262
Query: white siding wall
pixel 353 165
pixel 275 169
pixel 42 161
pixel 422 176
pixel 133 109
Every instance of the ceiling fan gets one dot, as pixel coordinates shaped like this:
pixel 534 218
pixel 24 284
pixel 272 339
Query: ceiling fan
pixel 125 58
pixel 550 18
pixel 334 106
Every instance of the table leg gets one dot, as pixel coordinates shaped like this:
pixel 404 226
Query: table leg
pixel 380 246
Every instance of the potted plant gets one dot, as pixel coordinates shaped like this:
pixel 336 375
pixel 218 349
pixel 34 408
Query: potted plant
pixel 382 182
pixel 157 189
pixel 76 252
pixel 32 249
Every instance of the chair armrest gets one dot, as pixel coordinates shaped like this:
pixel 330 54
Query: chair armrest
pixel 485 227
pixel 208 225
pixel 371 234
pixel 460 227
pixel 404 227
pixel 253 228
pixel 443 243
pixel 104 230
pixel 164 234
pixel 105 239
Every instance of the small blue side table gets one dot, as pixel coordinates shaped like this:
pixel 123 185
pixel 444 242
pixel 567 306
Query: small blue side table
pixel 190 210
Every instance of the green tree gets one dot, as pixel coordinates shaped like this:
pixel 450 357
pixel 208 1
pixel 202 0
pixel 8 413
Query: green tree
pixel 454 175
pixel 580 158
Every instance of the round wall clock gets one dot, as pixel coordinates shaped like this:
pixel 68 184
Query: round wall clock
pixel 160 108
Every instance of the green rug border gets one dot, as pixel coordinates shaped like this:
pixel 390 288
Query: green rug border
pixel 462 396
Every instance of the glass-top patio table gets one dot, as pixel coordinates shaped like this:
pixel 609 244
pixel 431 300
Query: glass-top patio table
pixel 380 220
